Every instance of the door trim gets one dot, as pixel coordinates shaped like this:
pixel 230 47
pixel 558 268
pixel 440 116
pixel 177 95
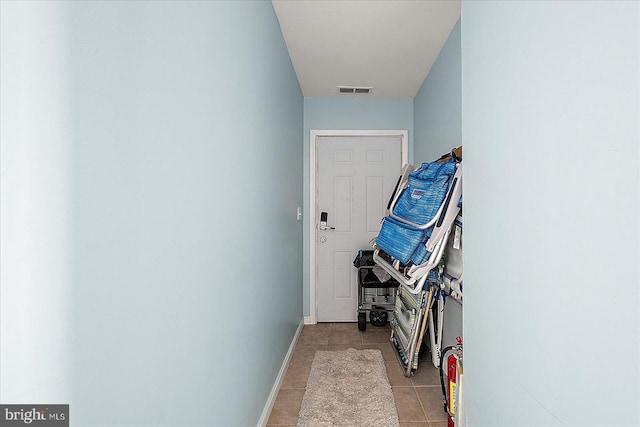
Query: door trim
pixel 313 220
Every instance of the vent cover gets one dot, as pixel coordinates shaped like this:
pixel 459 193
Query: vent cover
pixel 354 90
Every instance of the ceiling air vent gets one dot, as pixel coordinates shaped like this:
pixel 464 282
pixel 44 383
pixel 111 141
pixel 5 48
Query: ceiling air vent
pixel 352 90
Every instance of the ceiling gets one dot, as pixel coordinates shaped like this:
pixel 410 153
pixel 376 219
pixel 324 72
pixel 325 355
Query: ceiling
pixel 388 45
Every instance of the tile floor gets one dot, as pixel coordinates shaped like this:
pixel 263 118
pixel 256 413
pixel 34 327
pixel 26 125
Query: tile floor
pixel 418 399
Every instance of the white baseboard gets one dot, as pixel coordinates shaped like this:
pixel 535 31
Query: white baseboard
pixel 308 320
pixel 271 400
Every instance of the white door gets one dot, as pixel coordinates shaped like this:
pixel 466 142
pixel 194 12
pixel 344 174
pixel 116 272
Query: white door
pixel 355 178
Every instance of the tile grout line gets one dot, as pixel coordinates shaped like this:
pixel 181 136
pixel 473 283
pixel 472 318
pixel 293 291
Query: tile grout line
pixel 426 417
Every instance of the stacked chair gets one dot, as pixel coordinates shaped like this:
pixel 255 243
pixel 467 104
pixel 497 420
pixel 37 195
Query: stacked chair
pixel 410 246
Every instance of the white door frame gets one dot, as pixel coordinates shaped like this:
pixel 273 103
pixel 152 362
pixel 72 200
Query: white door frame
pixel 313 197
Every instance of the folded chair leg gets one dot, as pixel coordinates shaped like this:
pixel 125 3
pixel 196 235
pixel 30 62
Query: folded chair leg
pixel 424 319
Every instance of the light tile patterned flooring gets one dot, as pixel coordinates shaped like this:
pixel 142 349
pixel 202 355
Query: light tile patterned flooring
pixel 418 399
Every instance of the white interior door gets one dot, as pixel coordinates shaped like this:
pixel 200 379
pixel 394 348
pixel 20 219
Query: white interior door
pixel 355 178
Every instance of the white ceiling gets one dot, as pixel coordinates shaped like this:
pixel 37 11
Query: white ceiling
pixel 389 45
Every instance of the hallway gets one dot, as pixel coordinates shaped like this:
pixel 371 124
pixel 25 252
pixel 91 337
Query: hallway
pixel 418 399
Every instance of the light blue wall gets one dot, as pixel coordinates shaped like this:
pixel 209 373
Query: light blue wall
pixel 437 123
pixel 551 145
pixel 437 108
pixel 341 114
pixel 151 170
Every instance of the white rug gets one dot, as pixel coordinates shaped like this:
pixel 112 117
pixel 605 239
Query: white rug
pixel 348 388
